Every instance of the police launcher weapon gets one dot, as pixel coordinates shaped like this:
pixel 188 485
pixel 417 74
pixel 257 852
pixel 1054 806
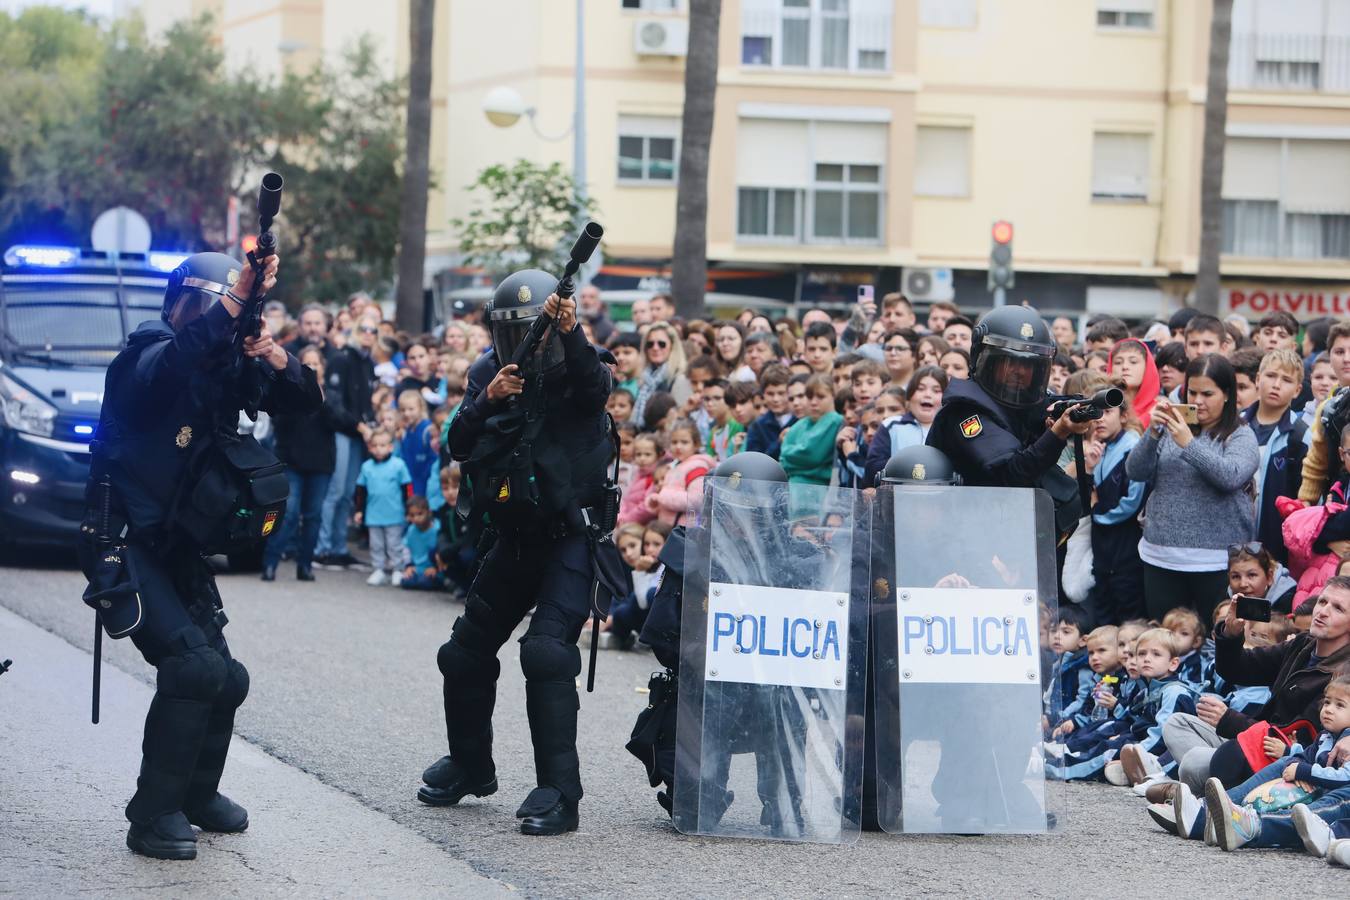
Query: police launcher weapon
pixel 1085 409
pixel 250 320
pixel 585 245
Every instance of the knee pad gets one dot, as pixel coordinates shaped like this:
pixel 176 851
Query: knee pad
pixel 546 658
pixel 198 674
pixel 235 689
pixel 468 653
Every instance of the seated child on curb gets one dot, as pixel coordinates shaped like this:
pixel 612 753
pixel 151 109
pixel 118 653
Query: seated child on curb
pixel 1239 825
pixel 640 548
pixel 1070 679
pixel 421 572
pixel 1185 625
pixel 1157 656
pixel 1102 701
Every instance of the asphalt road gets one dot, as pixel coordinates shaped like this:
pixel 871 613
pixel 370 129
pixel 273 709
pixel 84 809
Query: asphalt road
pixel 345 689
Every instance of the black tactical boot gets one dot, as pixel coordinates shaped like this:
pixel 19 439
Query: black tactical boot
pixel 447 783
pixel 551 808
pixel 164 837
pixel 547 812
pixel 304 573
pixel 269 573
pixel 219 814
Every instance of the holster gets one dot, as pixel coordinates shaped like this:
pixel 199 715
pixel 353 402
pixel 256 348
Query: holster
pixel 113 592
pixel 655 726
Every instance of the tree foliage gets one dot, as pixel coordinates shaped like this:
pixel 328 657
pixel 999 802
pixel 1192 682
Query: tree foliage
pixel 524 217
pixel 96 117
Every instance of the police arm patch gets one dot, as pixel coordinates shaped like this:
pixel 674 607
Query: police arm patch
pixel 971 427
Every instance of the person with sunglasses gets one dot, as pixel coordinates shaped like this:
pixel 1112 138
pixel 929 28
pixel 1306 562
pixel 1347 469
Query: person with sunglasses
pixel 663 368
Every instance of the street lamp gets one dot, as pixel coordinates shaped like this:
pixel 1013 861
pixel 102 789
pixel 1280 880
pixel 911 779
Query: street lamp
pixel 504 106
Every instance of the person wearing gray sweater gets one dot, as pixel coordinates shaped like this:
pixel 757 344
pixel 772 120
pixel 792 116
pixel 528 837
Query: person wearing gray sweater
pixel 1201 499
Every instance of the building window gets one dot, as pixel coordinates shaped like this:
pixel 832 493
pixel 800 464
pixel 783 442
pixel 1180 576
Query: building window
pixel 1286 199
pixel 1290 45
pixel 1120 166
pixel 942 162
pixel 948 13
pixel 1136 14
pixel 652 5
pixel 810 182
pixel 648 149
pixel 769 213
pixel 839 35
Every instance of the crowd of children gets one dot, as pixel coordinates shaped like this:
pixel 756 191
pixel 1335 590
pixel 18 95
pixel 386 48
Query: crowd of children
pixel 1220 480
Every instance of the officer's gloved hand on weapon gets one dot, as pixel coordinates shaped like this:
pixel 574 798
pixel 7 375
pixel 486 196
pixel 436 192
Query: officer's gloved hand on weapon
pixel 508 381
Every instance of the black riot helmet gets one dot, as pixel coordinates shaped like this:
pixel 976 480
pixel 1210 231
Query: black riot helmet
pixel 515 305
pixel 752 481
pixel 919 465
pixel 199 281
pixel 1011 350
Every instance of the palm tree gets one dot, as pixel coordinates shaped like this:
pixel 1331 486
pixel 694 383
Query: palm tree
pixel 1211 162
pixel 689 268
pixel 412 218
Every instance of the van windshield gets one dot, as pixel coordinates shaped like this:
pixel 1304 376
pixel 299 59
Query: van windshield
pixel 72 323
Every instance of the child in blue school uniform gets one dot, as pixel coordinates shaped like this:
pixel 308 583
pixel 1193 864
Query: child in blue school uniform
pixel 1102 701
pixel 1195 668
pixel 1070 679
pixel 1117 572
pixel 1157 656
pixel 421 573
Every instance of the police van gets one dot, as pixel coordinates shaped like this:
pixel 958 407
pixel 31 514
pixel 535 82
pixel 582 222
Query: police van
pixel 64 314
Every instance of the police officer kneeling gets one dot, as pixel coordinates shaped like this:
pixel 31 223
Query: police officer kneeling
pixel 534 445
pixel 171 480
pixel 993 426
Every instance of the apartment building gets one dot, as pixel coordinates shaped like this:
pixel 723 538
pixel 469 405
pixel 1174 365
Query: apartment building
pixel 876 141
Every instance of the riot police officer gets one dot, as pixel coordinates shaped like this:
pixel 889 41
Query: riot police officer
pixel 168 465
pixel 534 442
pixel 993 426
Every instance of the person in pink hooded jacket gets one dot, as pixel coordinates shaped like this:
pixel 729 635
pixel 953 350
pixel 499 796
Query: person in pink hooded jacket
pixel 682 487
pixel 646 457
pixel 1317 543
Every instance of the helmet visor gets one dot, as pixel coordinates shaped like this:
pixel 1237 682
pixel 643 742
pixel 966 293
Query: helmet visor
pixel 509 333
pixel 191 304
pixel 1013 377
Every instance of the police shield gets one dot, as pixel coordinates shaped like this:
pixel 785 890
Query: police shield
pixel 963 581
pixel 772 675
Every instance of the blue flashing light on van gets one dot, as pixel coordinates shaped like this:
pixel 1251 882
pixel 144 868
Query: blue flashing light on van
pixel 64 315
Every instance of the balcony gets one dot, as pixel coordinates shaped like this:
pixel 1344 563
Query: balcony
pixel 816 35
pixel 1289 62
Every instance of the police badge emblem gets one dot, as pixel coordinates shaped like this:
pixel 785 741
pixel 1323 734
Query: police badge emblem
pixel 919 472
pixel 1027 331
pixel 972 427
pixel 184 437
pixel 524 295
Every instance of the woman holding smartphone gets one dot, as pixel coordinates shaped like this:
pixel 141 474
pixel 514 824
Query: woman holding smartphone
pixel 1201 501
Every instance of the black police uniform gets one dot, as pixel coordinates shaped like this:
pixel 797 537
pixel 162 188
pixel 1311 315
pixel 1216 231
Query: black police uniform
pixel 167 397
pixel 550 567
pixel 995 443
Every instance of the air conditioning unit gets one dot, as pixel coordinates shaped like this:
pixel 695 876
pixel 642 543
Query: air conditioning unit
pixel 927 284
pixel 661 37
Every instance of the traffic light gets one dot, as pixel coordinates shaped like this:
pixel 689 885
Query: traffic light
pixel 1000 257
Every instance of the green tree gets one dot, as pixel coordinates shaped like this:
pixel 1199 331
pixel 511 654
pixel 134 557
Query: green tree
pixel 524 218
pixel 96 118
pixel 49 61
pixel 343 146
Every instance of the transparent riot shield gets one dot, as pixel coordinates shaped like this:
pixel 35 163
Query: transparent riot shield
pixel 770 725
pixel 962 580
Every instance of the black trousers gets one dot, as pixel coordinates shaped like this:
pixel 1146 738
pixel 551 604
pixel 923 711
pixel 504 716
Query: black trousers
pixel 1201 591
pixel 199 685
pixel 554 578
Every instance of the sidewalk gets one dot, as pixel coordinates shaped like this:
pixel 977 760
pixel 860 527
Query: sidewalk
pixel 64 783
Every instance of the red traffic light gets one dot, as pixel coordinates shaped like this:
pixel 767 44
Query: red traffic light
pixel 1003 232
